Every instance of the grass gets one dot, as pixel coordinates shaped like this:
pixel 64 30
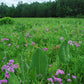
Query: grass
pixel 46 33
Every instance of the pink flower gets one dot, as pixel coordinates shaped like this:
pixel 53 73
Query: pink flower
pixel 46 29
pixel 45 38
pixel 61 38
pixel 68 79
pixel 77 45
pixel 49 65
pixel 70 42
pixel 32 43
pixel 50 79
pixel 59 72
pixel 57 79
pixel 45 49
pixel 73 76
pixel 30 36
pixel 25 44
pixel 3 81
pixel 9 44
pixel 6 75
pixel 57 46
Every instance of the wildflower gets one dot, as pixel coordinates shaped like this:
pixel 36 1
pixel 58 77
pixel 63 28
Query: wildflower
pixel 25 44
pixel 73 76
pixel 77 45
pixel 4 57
pixel 57 79
pixel 9 44
pixel 57 46
pixel 49 65
pixel 59 72
pixel 26 34
pixel 80 42
pixel 68 79
pixel 50 79
pixel 17 46
pixel 6 75
pixel 70 42
pixel 45 49
pixel 11 61
pixel 32 43
pixel 45 38
pixel 55 31
pixel 68 74
pixel 61 38
pixel 30 36
pixel 46 29
pixel 3 81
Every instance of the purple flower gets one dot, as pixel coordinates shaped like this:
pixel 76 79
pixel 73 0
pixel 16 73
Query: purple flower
pixel 6 75
pixel 59 72
pixel 45 38
pixel 46 29
pixel 68 79
pixel 70 42
pixel 80 42
pixel 25 44
pixel 6 39
pixel 68 74
pixel 73 76
pixel 49 65
pixel 45 49
pixel 30 36
pixel 77 45
pixel 4 57
pixel 50 79
pixel 61 38
pixel 9 44
pixel 26 34
pixel 57 79
pixel 11 61
pixel 32 43
pixel 55 31
pixel 3 81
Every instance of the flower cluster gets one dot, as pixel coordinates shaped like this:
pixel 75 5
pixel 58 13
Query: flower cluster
pixel 59 80
pixel 74 43
pixel 9 67
pixel 4 39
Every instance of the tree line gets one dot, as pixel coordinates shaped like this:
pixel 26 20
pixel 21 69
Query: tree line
pixel 57 8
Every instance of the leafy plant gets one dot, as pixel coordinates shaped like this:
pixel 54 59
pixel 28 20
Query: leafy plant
pixel 64 52
pixel 6 20
pixel 39 62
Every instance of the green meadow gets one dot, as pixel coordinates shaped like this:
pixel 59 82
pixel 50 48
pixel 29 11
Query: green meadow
pixel 45 50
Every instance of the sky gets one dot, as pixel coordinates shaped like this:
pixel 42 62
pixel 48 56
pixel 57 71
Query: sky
pixel 10 2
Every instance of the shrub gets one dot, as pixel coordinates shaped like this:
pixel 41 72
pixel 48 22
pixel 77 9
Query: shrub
pixel 6 20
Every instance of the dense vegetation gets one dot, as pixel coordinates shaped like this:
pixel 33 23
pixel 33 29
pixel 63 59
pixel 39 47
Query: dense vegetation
pixel 57 8
pixel 42 51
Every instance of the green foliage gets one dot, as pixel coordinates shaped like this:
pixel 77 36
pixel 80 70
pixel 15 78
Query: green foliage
pixel 6 20
pixel 39 62
pixel 64 56
pixel 13 78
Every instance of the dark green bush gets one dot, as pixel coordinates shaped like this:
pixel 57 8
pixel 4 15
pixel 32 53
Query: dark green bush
pixel 6 20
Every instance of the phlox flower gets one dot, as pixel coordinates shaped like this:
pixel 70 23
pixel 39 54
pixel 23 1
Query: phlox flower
pixel 45 49
pixel 59 71
pixel 32 43
pixel 50 79
pixel 68 79
pixel 73 76
pixel 61 38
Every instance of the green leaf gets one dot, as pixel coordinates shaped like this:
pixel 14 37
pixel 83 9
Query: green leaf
pixel 13 78
pixel 39 62
pixel 64 52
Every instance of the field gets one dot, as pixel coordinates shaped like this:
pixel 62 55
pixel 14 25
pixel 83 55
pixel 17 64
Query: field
pixel 43 50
